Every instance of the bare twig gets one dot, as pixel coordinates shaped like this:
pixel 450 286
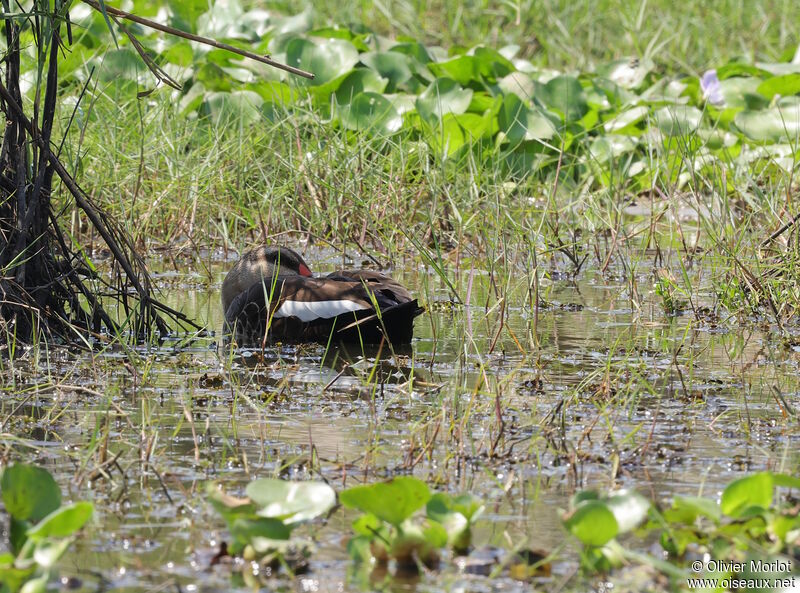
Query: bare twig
pixel 192 37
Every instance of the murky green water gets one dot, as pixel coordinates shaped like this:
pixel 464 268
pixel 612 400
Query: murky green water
pixel 598 389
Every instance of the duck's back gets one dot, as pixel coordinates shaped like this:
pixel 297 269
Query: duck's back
pixel 348 306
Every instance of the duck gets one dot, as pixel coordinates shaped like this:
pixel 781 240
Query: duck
pixel 271 295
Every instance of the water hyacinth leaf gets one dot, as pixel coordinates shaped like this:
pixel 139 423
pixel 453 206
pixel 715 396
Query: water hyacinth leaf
pixel 326 59
pixel 605 148
pixel 786 481
pixel 678 120
pixel 769 125
pixel 446 135
pixel 393 501
pixel 298 23
pixel 593 523
pixel 11 577
pixel 29 493
pixel 565 94
pixel 736 92
pixel 37 585
pixel 263 534
pixel 223 20
pixel 416 50
pixel 483 64
pixel 120 64
pixel 626 119
pixel 751 492
pixel 237 108
pixel 520 123
pixel 786 85
pixel 519 83
pixel 291 502
pixel 391 65
pixel 358 81
pixel 62 522
pixel 213 78
pixel 184 13
pixel 627 73
pixel 629 507
pixel 372 113
pixel 48 552
pixel 694 506
pixel 443 96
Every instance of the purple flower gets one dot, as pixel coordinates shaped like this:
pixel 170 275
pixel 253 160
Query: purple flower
pixel 712 91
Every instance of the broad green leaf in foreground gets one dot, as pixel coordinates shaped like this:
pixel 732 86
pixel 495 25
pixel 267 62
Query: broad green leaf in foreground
pixel 62 522
pixel 393 501
pixel 750 492
pixel 593 523
pixel 291 502
pixel 29 493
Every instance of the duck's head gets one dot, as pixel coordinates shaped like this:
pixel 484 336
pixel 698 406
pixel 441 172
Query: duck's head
pixel 259 264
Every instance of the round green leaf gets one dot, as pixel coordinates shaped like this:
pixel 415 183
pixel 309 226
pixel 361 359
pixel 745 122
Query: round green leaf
pixel 291 502
pixel 62 522
pixel 769 125
pixel 593 523
pixel 444 95
pixel 393 501
pixel 786 85
pixel 565 94
pixel 326 59
pixel 519 122
pixel 238 107
pixel 358 81
pixel 518 83
pixel 747 493
pixel 629 507
pixel 627 118
pixel 678 120
pixel 29 493
pixel 264 534
pixel 372 113
pixel 391 65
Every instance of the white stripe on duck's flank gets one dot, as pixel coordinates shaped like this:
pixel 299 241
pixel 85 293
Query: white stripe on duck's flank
pixel 311 310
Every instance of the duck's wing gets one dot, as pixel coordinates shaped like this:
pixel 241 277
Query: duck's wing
pixel 308 299
pixel 376 282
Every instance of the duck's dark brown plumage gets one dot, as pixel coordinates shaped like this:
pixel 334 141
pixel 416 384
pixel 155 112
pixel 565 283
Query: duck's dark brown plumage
pixel 270 291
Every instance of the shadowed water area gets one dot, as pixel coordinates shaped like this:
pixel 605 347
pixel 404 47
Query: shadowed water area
pixel 518 404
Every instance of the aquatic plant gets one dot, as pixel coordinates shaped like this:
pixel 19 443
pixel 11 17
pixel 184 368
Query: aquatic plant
pixel 40 529
pixel 261 524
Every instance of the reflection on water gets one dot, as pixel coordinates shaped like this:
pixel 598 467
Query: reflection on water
pixel 520 407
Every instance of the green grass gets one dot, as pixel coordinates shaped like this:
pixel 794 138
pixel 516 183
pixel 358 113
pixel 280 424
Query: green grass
pixel 578 35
